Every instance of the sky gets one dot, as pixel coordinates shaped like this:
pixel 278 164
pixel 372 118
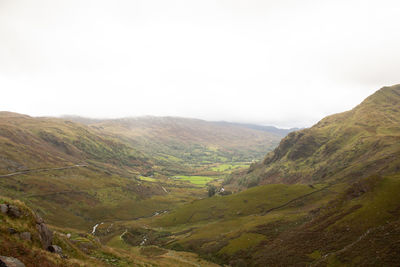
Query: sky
pixel 287 63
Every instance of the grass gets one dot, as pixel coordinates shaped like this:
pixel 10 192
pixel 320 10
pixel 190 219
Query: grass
pixel 149 179
pixel 228 168
pixel 252 201
pixel 244 242
pixel 377 207
pixel 197 180
pixel 81 249
pixel 301 232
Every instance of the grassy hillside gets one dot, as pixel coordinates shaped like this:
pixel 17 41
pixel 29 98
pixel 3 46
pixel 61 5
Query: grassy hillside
pixel 181 145
pixel 354 224
pixel 32 143
pixel 21 239
pixel 253 201
pixel 349 145
pixel 76 177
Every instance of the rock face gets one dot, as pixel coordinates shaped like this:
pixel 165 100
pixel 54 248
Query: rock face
pixel 55 249
pixel 46 236
pixel 10 262
pixel 3 208
pixel 12 231
pixel 14 211
pixel 10 210
pixel 38 219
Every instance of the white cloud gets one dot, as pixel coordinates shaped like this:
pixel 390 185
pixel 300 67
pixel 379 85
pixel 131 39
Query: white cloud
pixel 284 62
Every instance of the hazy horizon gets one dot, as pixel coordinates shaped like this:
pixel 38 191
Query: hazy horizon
pixel 282 63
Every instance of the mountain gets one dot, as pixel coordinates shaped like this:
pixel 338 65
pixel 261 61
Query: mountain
pixel 271 129
pixel 81 174
pixel 350 145
pixel 179 143
pixel 74 174
pixel 31 143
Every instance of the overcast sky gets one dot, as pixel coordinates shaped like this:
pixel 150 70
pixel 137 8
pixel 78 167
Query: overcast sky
pixel 281 62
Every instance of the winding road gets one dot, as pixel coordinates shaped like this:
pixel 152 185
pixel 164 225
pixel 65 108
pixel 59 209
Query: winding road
pixel 41 170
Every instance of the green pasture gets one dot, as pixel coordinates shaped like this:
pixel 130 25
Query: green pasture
pixel 197 180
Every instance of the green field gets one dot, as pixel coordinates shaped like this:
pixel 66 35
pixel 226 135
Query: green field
pixel 228 167
pixel 197 180
pixel 148 179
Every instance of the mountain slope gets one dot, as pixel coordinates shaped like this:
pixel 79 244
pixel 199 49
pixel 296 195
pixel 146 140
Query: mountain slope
pixel 293 225
pixel 31 143
pixel 74 174
pixel 80 175
pixel 175 143
pixel 26 237
pixel 349 145
pixel 271 129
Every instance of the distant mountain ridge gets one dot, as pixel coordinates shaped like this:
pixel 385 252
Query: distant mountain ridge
pixel 271 129
pixel 265 128
pixel 187 140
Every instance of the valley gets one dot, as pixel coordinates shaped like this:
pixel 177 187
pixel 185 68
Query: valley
pixel 165 191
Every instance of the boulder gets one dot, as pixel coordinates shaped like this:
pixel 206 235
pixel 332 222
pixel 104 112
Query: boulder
pixel 12 231
pixel 4 208
pixel 14 211
pixel 10 262
pixel 55 249
pixel 38 219
pixel 26 236
pixel 45 235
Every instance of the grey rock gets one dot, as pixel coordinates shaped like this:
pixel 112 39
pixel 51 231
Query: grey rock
pixel 55 249
pixel 26 236
pixel 10 262
pixel 14 211
pixel 45 235
pixel 4 208
pixel 38 219
pixel 12 231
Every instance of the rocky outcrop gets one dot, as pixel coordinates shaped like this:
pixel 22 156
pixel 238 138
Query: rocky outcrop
pixel 10 262
pixel 45 234
pixel 14 211
pixel 55 249
pixel 10 210
pixel 4 208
